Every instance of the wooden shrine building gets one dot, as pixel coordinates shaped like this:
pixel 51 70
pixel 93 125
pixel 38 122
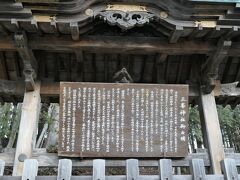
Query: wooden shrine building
pixel 187 42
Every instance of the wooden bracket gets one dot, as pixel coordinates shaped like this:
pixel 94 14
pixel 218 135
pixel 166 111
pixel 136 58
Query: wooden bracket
pixel 122 76
pixel 74 30
pixel 29 61
pixel 176 34
pixel 211 67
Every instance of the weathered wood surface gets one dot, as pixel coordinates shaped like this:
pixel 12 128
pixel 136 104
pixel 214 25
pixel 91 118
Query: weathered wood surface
pixel 132 172
pixel 117 44
pixel 53 89
pixel 132 169
pixel 99 169
pixel 165 166
pixel 197 169
pixel 64 169
pixel 30 169
pixel 123 120
pixel 51 159
pixel 122 45
pixel 2 166
pixel 229 169
pixel 29 117
pixel 211 131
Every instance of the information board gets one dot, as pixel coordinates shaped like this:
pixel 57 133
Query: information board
pixel 123 120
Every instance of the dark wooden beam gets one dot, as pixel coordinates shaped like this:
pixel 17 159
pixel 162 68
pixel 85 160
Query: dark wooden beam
pixel 15 23
pixel 74 30
pixel 3 71
pixel 176 34
pixel 237 77
pixel 106 44
pixel 80 64
pixel 226 70
pixel 233 32
pixel 180 67
pixel 54 26
pixel 195 31
pixel 52 89
pixel 160 59
pixel 211 67
pixel 34 24
pixel 120 45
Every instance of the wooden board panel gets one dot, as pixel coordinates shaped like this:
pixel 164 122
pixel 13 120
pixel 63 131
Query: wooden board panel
pixel 123 120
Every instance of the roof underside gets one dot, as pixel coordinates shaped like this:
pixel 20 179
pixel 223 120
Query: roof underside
pixel 71 41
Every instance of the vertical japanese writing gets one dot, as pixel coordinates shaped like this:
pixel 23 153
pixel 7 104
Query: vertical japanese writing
pixel 74 102
pixel 142 113
pixel 83 146
pixel 64 117
pixel 183 112
pixel 113 114
pixel 123 119
pixel 132 119
pixel 147 121
pixel 171 121
pixel 166 125
pixel 89 106
pixel 93 119
pixel 118 120
pixel 137 104
pixel 156 98
pixel 161 133
pixel 98 139
pixel 108 120
pixel 152 115
pixel 69 118
pixel 103 115
pixel 175 121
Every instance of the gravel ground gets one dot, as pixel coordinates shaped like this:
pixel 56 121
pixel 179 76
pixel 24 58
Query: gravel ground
pixel 52 171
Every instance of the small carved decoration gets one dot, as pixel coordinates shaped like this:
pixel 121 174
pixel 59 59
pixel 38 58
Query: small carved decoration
pixel 122 76
pixel 127 17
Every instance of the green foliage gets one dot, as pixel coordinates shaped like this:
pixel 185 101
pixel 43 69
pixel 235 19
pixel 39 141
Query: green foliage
pixel 229 121
pixel 226 117
pixel 230 125
pixel 195 132
pixel 6 113
pixel 46 118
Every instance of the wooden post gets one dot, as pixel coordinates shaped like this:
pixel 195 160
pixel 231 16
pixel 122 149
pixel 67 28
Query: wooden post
pixel 132 169
pixel 165 167
pixel 98 169
pixel 64 169
pixel 2 166
pixel 30 169
pixel 29 117
pixel 211 130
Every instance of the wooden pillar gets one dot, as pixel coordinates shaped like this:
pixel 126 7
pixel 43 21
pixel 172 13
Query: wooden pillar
pixel 29 117
pixel 212 131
